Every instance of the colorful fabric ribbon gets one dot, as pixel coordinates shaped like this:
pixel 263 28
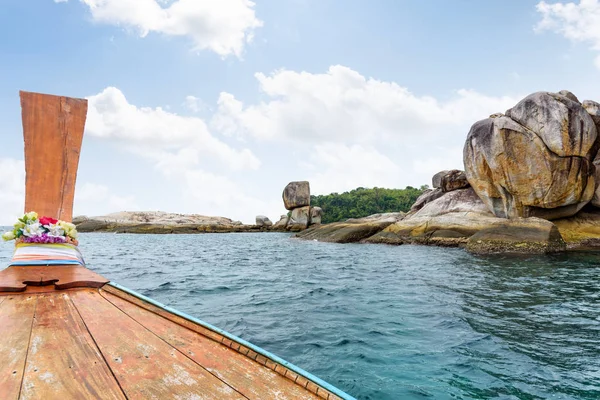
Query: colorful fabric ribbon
pixel 46 254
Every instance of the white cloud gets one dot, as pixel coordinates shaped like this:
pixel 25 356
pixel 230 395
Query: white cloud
pixel 12 190
pixel 343 168
pixel 357 131
pixel 338 129
pixel 96 199
pixel 223 26
pixel 194 104
pixel 159 134
pixel 343 105
pixel 577 22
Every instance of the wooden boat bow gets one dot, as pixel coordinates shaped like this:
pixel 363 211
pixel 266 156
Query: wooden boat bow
pixel 67 332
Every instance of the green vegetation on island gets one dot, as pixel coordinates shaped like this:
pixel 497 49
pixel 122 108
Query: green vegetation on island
pixel 362 202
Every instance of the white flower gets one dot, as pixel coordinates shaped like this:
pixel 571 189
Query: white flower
pixel 8 236
pixel 34 229
pixel 55 230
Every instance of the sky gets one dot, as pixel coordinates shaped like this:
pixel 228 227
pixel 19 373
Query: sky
pixel 212 106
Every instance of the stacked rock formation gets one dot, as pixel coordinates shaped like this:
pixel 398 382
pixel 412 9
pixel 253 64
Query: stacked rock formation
pixel 531 184
pixel 296 198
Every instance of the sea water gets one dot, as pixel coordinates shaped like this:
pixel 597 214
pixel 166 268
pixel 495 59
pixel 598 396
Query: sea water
pixel 377 321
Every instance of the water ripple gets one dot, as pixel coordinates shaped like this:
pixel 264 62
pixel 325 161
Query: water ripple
pixel 381 322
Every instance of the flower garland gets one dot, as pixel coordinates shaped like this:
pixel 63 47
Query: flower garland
pixel 31 229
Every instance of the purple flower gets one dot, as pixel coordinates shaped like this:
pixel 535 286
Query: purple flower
pixel 44 238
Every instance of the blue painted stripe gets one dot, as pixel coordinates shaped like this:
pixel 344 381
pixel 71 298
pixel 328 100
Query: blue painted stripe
pixel 241 341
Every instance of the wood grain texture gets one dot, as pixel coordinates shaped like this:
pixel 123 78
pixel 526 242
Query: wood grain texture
pixel 16 278
pixel 145 365
pixel 217 337
pixel 53 132
pixel 63 360
pixel 249 377
pixel 16 317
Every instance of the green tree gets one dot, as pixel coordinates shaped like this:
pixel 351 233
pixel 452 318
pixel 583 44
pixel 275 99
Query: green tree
pixel 362 202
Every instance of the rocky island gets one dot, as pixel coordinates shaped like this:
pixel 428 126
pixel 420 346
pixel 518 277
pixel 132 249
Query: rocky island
pixel 530 185
pixel 296 198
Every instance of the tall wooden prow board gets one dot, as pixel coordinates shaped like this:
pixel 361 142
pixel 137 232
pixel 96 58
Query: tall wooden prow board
pixel 53 131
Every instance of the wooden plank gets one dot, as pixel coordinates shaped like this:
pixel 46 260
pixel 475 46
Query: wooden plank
pixel 145 365
pixel 16 317
pixel 16 278
pixel 249 377
pixel 53 131
pixel 217 337
pixel 63 360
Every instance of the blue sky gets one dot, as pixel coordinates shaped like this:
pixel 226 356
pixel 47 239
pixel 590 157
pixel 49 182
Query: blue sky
pixel 213 106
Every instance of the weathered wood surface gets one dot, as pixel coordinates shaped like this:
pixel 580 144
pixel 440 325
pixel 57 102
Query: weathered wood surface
pixel 53 132
pixel 63 360
pixel 217 337
pixel 16 317
pixel 96 343
pixel 253 380
pixel 16 278
pixel 145 365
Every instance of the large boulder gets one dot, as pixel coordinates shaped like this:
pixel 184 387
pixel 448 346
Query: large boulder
pixel 296 194
pixel 299 219
pixel 534 161
pixel 518 236
pixel 263 221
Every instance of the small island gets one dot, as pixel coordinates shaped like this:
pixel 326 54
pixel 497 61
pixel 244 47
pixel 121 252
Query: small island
pixel 531 184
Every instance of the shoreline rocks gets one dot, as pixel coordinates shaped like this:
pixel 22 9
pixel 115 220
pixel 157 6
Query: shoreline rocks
pixel 531 185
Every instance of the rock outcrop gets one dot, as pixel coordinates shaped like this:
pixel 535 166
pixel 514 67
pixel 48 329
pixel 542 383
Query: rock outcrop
pixel 300 219
pixel 427 197
pixel 536 160
pixel 160 222
pixel 351 230
pixel 449 221
pixel 518 236
pixel 262 220
pixel 534 177
pixel 282 223
pixel 296 198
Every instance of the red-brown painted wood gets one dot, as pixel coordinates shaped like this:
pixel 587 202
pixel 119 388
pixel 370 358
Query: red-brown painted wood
pixel 16 317
pixel 145 365
pixel 252 379
pixel 63 360
pixel 16 278
pixel 53 132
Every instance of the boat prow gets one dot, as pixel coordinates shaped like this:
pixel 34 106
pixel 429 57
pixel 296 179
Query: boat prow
pixel 67 332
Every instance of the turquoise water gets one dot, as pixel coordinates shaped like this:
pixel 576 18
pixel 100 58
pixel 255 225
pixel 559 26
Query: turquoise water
pixel 381 322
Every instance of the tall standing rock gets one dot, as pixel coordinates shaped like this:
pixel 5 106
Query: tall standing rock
pixel 296 194
pixel 536 161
